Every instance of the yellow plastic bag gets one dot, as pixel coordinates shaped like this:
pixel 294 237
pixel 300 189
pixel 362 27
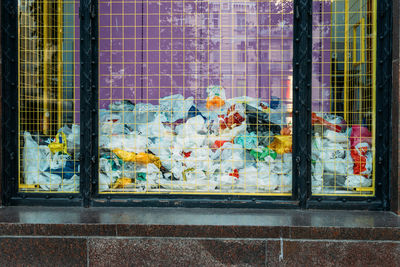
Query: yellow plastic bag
pixel 122 182
pixel 60 144
pixel 141 158
pixel 282 144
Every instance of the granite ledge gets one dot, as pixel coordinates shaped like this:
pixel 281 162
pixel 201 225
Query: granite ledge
pixel 199 223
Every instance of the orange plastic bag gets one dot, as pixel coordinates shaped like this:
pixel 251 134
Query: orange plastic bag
pixel 141 158
pixel 214 103
pixel 282 144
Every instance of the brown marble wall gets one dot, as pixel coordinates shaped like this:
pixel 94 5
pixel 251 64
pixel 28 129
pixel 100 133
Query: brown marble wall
pixel 194 252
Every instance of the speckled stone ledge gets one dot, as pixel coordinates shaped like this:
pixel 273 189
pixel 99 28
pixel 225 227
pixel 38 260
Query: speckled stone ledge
pixel 44 236
pixel 199 223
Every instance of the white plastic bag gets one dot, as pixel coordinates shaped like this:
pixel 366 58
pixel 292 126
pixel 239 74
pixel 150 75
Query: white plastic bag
pixel 36 159
pixel 129 142
pixel 335 137
pixel 49 181
pixel 176 107
pixel 69 185
pixel 111 124
pixel 353 181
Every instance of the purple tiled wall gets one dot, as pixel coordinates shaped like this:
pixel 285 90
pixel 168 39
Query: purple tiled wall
pixel 152 49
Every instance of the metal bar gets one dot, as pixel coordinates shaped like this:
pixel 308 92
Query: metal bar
pixel 346 61
pixel 46 114
pixel 383 100
pixel 9 44
pixel 302 57
pixel 89 95
pixel 60 63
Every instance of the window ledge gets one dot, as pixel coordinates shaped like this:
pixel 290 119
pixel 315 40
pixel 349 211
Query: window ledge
pixel 199 223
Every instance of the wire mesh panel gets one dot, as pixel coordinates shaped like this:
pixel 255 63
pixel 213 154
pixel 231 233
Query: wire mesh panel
pixel 48 95
pixel 195 97
pixel 343 97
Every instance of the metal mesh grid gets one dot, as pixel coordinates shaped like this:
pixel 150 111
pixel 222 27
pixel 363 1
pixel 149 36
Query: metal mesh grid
pixel 343 97
pixel 195 96
pixel 48 96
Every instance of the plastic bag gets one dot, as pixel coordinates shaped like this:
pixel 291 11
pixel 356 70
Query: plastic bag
pixel 248 141
pixel 317 171
pixel 261 153
pixel 319 121
pixel 122 182
pixel 104 182
pixel 277 111
pixel 176 107
pixel 216 97
pixel 144 113
pixel 48 181
pixel 107 168
pixel 360 134
pixel 67 171
pixel 70 185
pixel 336 120
pixel 282 144
pixel 353 181
pixel 111 124
pixel 36 159
pixel 74 141
pixel 336 137
pixel 193 112
pixel 258 121
pixel 153 174
pixel 282 164
pixel 156 128
pixel 235 115
pixel 141 158
pixel 232 157
pixel 120 106
pixel 362 159
pixel 131 142
pixel 316 147
pixel 59 144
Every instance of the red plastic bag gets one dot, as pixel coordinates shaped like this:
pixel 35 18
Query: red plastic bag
pixel 234 117
pixel 359 155
pixel 360 134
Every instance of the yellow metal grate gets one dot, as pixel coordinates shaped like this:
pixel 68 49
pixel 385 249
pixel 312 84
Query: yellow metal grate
pixel 157 61
pixel 344 97
pixel 48 106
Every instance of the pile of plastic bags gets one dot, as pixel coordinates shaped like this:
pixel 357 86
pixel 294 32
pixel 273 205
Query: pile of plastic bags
pixel 52 164
pixel 218 145
pixel 341 155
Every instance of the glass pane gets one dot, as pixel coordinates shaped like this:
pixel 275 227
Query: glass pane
pixel 195 97
pixel 48 95
pixel 343 97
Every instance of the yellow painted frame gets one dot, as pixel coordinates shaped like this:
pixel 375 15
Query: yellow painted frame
pixel 361 24
pixel 60 85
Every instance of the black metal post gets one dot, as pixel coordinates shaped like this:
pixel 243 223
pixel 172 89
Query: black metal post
pixel 89 95
pixel 383 100
pixel 9 44
pixel 302 56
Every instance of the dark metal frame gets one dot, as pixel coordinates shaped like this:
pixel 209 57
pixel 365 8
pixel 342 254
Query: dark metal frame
pixel 302 88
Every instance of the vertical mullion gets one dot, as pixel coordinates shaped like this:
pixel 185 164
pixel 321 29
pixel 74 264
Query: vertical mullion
pixel 383 100
pixel 89 95
pixel 9 45
pixel 302 58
